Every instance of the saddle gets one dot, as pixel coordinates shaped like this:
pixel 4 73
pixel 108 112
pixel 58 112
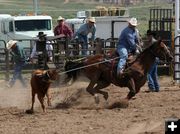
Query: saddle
pixel 112 63
pixel 113 59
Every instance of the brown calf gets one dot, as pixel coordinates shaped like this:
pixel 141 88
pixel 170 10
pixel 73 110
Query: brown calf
pixel 40 83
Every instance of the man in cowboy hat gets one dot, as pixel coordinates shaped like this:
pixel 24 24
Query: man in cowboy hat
pixel 19 58
pixel 45 49
pixel 127 44
pixel 84 30
pixel 62 28
pixel 152 76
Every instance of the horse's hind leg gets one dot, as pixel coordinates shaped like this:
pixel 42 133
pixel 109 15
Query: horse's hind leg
pixel 101 85
pixel 131 86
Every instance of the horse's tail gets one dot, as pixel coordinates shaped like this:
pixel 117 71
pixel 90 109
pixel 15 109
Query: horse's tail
pixel 72 69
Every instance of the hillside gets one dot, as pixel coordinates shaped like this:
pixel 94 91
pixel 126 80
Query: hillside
pixel 68 9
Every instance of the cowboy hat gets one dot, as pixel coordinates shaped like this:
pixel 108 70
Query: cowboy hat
pixel 91 19
pixel 11 43
pixel 41 34
pixel 133 21
pixel 60 18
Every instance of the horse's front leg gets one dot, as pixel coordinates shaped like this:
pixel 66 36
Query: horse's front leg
pixel 131 86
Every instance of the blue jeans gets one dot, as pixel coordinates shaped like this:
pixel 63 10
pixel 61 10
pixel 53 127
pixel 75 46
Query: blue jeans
pixel 18 74
pixel 123 53
pixel 152 77
pixel 84 40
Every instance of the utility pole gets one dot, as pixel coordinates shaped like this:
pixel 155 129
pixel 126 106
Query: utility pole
pixel 35 2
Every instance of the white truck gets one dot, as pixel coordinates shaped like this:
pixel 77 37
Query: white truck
pixel 23 28
pixel 109 24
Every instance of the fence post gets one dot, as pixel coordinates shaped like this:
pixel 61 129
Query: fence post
pixel 99 44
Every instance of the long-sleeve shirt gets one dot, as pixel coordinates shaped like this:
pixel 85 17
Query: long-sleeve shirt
pixel 18 54
pixel 85 30
pixel 49 49
pixel 63 29
pixel 128 39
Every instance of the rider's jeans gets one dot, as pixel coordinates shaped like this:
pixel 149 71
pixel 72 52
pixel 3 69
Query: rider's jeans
pixel 152 77
pixel 84 39
pixel 123 57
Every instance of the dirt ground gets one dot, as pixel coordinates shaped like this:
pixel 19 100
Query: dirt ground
pixel 145 114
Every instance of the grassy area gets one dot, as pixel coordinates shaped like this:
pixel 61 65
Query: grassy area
pixel 68 10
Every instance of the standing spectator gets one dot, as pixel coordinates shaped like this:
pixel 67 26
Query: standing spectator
pixel 63 31
pixel 127 44
pixel 152 75
pixel 62 28
pixel 42 49
pixel 84 30
pixel 19 59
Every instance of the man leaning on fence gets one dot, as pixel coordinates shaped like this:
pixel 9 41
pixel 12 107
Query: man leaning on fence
pixel 62 28
pixel 84 30
pixel 19 59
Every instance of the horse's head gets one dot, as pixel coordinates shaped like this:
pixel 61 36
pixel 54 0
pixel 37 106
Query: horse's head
pixel 160 50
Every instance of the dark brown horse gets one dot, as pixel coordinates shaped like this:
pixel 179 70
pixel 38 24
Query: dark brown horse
pixel 102 73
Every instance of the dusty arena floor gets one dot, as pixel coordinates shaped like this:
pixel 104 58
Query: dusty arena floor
pixel 145 114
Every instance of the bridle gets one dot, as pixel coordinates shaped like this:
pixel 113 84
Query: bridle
pixel 152 51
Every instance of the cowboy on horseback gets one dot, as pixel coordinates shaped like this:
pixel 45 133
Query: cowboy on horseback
pixel 127 44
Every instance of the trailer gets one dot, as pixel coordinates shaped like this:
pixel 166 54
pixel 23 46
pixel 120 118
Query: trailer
pixel 109 23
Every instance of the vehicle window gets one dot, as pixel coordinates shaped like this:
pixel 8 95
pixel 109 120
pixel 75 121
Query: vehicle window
pixel 32 25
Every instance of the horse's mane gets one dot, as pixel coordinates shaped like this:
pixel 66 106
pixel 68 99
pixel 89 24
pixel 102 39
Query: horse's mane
pixel 146 50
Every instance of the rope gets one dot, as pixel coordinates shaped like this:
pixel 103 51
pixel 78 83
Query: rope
pixel 88 65
pixel 79 59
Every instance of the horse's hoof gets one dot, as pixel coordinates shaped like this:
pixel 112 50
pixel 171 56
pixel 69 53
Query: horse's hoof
pixel 29 111
pixel 96 97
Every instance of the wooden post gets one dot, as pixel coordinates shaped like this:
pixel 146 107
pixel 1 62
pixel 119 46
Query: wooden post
pixel 98 46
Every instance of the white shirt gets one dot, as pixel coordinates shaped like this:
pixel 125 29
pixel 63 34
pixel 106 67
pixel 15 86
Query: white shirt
pixel 49 49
